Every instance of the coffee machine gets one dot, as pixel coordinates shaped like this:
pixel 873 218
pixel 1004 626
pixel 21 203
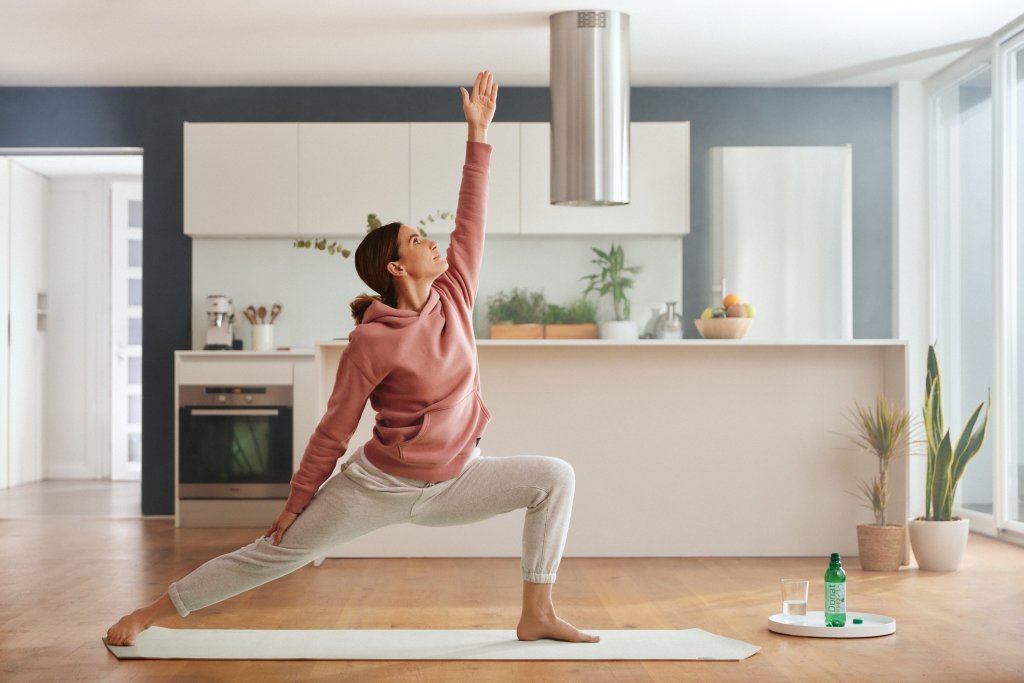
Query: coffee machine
pixel 219 315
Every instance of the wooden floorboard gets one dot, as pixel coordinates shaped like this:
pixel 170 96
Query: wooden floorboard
pixel 63 581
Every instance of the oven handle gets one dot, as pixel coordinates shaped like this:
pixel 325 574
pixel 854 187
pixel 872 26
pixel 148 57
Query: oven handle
pixel 253 412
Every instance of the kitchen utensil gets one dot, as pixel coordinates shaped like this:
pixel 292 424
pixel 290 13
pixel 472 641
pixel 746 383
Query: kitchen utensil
pixel 263 314
pixel 275 310
pixel 250 313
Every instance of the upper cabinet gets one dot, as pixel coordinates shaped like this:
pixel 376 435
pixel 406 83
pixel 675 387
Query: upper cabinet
pixel 438 151
pixel 659 202
pixel 349 170
pixel 322 179
pixel 241 179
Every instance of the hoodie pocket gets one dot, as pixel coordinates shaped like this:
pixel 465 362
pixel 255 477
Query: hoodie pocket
pixel 444 430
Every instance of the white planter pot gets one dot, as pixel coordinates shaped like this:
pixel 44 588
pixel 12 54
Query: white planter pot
pixel 622 330
pixel 939 546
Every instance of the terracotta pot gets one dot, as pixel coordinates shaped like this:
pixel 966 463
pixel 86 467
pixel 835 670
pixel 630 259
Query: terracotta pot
pixel 880 547
pixel 525 331
pixel 571 331
pixel 938 546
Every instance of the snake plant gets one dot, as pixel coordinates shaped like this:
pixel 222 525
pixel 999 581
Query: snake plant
pixel 946 464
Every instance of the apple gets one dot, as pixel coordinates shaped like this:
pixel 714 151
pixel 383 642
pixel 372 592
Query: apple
pixel 736 311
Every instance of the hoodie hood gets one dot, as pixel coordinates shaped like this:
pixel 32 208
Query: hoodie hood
pixel 380 312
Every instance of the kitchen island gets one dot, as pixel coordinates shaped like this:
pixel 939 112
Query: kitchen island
pixel 681 448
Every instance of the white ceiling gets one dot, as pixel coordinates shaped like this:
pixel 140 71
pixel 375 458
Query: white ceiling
pixel 445 42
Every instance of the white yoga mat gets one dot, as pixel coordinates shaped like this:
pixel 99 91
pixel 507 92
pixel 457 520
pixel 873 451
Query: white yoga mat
pixel 172 643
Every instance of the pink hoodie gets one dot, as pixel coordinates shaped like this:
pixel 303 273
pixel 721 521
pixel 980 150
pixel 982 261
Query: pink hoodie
pixel 419 370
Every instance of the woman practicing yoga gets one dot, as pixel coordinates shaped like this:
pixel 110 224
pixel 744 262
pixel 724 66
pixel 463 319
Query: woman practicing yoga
pixel 412 354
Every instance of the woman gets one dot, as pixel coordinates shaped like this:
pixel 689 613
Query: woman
pixel 413 356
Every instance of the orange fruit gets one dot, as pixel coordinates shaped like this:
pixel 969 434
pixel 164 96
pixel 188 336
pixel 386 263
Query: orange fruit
pixel 730 300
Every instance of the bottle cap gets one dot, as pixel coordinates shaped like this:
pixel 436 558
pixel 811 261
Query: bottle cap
pixel 858 621
pixel 835 557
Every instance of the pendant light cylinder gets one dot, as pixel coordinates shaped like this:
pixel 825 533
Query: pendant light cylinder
pixel 590 108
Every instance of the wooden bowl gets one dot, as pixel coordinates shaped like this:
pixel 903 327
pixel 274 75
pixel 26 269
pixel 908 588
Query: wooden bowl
pixel 723 328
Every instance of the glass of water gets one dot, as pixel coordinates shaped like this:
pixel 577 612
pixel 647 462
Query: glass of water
pixel 794 597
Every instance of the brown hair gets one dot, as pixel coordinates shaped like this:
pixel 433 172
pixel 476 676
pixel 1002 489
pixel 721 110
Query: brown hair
pixel 374 253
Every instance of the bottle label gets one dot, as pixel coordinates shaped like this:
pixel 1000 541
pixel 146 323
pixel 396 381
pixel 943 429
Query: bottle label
pixel 835 597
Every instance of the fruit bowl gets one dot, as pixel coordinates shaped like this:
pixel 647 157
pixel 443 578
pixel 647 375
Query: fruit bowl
pixel 723 328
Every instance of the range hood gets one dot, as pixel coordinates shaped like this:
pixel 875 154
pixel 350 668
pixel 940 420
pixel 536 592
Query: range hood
pixel 590 108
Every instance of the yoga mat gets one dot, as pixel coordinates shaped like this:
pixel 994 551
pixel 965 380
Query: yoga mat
pixel 173 643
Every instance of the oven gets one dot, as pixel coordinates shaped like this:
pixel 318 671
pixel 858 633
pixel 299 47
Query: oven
pixel 234 441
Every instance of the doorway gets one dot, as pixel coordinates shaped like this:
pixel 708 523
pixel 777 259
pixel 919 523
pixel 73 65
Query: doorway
pixel 70 394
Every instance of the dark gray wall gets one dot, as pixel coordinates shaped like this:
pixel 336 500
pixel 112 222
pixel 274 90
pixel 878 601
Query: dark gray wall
pixel 152 118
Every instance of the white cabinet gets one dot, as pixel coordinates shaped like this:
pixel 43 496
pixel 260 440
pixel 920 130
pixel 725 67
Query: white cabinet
pixel 438 151
pixel 659 186
pixel 241 179
pixel 349 170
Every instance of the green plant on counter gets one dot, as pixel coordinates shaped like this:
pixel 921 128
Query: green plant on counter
pixel 372 223
pixel 946 464
pixel 612 279
pixel 516 307
pixel 884 432
pixel 577 312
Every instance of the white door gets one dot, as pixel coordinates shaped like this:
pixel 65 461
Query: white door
pixel 27 345
pixel 126 330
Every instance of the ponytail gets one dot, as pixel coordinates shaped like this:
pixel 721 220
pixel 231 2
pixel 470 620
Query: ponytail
pixel 360 304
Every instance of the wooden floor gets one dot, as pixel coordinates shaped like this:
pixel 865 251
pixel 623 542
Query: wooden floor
pixel 63 581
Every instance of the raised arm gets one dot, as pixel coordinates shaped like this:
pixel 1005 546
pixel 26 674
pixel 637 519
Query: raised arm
pixel 465 252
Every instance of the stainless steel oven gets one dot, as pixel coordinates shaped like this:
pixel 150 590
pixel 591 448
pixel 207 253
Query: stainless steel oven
pixel 234 441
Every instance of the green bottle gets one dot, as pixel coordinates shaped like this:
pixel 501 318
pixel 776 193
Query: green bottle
pixel 835 593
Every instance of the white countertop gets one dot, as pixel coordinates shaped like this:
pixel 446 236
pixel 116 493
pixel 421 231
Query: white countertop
pixel 248 355
pixel 667 342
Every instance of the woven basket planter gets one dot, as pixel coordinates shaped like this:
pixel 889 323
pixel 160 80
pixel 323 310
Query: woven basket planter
pixel 880 547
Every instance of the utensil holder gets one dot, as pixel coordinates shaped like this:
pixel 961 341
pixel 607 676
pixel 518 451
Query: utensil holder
pixel 262 337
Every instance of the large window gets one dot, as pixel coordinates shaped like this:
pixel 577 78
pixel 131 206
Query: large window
pixel 965 311
pixel 977 219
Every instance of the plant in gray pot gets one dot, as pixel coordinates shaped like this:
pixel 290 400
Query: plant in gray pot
pixel 613 279
pixel 884 432
pixel 939 539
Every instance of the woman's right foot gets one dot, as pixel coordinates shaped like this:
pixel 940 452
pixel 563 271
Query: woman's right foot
pixel 125 631
pixel 550 626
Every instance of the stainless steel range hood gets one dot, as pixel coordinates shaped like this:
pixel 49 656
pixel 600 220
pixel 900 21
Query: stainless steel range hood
pixel 590 108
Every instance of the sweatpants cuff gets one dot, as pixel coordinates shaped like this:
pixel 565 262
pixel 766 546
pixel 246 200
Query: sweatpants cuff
pixel 172 592
pixel 533 577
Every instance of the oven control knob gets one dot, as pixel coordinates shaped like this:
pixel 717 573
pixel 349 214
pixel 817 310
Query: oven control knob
pixel 222 399
pixel 248 399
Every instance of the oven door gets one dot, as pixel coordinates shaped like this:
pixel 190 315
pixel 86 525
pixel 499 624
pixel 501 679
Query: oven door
pixel 235 452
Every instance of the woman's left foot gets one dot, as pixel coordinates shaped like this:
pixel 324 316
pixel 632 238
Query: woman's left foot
pixel 535 628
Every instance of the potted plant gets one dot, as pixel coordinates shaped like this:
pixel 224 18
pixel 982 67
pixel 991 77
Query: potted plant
pixel 517 314
pixel 577 320
pixel 613 280
pixel 885 433
pixel 939 539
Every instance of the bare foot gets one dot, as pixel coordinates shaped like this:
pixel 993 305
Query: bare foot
pixel 535 628
pixel 129 626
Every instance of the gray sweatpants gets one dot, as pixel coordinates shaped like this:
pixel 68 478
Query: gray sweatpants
pixel 362 498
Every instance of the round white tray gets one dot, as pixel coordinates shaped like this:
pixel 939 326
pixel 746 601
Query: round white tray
pixel 813 625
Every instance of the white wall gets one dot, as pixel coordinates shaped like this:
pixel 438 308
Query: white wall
pixel 910 270
pixel 77 408
pixel 27 348
pixel 5 301
pixel 315 288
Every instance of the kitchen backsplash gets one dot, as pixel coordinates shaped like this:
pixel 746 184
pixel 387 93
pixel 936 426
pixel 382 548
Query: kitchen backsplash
pixel 315 288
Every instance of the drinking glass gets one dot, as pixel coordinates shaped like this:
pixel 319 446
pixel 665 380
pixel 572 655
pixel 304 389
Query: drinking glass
pixel 794 597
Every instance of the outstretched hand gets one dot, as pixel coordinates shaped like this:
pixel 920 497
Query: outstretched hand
pixel 479 106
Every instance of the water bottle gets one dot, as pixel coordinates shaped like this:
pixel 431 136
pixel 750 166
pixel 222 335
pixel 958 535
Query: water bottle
pixel 835 593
